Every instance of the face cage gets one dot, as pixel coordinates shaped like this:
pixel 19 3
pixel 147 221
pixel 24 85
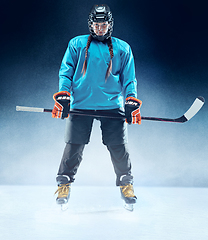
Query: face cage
pixel 100 38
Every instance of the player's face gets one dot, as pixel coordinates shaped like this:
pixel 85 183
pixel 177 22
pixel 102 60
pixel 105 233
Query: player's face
pixel 100 29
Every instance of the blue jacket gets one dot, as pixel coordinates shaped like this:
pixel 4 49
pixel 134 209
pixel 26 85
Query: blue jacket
pixel 92 91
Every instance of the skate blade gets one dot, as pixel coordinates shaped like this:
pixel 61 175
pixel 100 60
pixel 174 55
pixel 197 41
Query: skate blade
pixel 129 207
pixel 64 207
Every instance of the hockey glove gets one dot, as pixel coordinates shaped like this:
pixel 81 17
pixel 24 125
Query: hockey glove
pixel 132 110
pixel 62 105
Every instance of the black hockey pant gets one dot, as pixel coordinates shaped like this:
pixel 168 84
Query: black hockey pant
pixel 72 158
pixel 78 130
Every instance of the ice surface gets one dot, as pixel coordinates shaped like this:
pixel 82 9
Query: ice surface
pixel 30 212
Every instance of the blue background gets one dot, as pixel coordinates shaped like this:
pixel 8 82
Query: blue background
pixel 169 42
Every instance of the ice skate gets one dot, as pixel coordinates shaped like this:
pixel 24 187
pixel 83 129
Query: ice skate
pixel 127 192
pixel 64 188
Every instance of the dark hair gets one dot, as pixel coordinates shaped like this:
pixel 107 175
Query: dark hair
pixel 110 46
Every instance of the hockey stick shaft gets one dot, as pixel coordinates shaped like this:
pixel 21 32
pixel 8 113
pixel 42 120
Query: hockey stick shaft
pixel 72 112
pixel 195 107
pixel 80 113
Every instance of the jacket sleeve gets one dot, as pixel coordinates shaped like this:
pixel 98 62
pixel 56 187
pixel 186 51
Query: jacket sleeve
pixel 67 68
pixel 127 75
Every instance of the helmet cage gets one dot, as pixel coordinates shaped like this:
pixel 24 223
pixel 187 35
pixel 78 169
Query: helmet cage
pixel 100 13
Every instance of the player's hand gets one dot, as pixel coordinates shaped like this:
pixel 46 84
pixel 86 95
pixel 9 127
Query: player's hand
pixel 62 105
pixel 132 110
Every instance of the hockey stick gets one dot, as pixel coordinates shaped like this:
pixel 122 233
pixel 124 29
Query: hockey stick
pixel 195 107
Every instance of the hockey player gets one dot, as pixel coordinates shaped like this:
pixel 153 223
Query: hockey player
pixel 97 75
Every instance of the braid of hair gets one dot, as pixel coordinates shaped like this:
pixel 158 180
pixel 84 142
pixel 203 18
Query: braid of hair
pixel 109 69
pixel 84 68
pixel 110 46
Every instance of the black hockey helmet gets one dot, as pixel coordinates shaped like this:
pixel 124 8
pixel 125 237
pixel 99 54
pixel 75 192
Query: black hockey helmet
pixel 100 13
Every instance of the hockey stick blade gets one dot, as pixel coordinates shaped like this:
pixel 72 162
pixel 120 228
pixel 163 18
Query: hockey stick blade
pixel 192 111
pixel 195 107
